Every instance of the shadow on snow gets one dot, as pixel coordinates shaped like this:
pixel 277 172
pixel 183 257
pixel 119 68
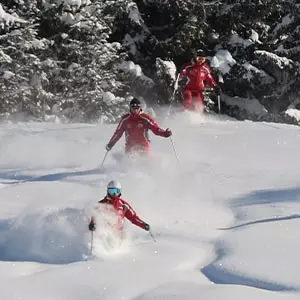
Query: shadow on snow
pixel 49 236
pixel 267 220
pixel 123 164
pixel 19 178
pixel 216 274
pixel 268 197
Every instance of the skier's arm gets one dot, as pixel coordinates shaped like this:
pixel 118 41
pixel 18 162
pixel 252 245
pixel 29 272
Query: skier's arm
pixel 212 83
pixel 155 128
pixel 184 71
pixel 209 79
pixel 183 77
pixel 117 134
pixel 182 74
pixel 131 215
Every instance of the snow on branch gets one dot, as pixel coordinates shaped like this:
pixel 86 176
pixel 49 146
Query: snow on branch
pixel 223 61
pixel 135 71
pixel 134 14
pixel 252 71
pixel 135 17
pixel 286 20
pixel 281 62
pixel 235 39
pixel 8 18
pixel 4 58
pixel 288 52
pixel 166 67
pixel 252 106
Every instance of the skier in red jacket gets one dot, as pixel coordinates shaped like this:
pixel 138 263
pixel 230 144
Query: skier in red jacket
pixel 136 124
pixel 194 77
pixel 113 203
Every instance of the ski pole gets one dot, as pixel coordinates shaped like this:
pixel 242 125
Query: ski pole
pixel 221 80
pixel 103 160
pixel 172 97
pixel 219 104
pixel 174 150
pixel 92 243
pixel 152 236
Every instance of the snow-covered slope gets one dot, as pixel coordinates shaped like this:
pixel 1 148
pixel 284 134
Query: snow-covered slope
pixel 226 213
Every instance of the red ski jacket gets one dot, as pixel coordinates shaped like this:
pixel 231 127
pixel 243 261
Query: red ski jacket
pixel 197 77
pixel 136 128
pixel 122 209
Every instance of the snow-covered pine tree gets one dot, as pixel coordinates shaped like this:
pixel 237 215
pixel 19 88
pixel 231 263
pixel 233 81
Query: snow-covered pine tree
pixel 85 57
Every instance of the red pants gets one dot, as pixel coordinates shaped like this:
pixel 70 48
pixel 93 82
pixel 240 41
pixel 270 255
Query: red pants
pixel 193 100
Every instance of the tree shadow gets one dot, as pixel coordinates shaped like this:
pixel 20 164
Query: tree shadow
pixel 63 175
pixel 217 274
pixel 267 220
pixel 267 197
pixel 20 178
pixel 13 177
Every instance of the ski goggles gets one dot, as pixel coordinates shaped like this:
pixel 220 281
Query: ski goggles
pixel 134 109
pixel 113 191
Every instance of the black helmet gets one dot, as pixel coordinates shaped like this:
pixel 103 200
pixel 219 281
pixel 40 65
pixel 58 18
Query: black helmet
pixel 200 52
pixel 135 103
pixel 194 55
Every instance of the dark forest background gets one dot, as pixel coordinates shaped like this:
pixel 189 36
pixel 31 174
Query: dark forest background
pixel 82 60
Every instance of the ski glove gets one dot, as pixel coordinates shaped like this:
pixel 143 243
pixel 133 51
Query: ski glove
pixel 92 226
pixel 146 226
pixel 168 132
pixel 108 147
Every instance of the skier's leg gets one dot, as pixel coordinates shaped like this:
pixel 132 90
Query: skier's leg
pixel 199 106
pixel 143 150
pixel 146 149
pixel 187 99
